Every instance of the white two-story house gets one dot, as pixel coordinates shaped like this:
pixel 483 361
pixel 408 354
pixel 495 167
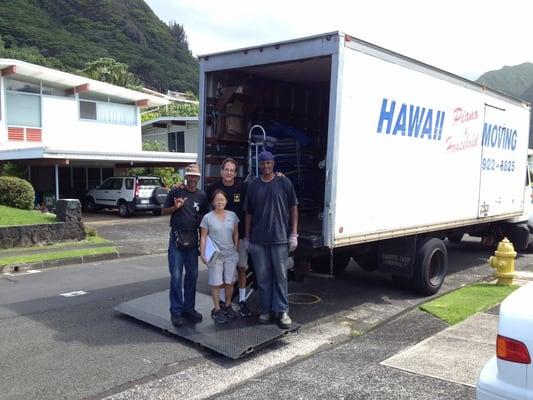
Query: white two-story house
pixel 71 132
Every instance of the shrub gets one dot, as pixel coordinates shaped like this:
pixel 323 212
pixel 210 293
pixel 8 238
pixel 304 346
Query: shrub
pixel 90 231
pixel 16 192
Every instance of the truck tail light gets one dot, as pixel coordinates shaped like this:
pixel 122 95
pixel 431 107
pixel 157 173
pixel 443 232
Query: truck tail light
pixel 512 350
pixel 136 188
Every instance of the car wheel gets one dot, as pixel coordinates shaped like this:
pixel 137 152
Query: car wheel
pixel 123 209
pixel 431 266
pixel 90 205
pixel 159 196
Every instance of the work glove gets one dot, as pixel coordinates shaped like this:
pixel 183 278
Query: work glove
pixel 293 242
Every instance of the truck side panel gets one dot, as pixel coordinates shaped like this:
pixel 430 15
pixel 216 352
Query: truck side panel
pixel 410 152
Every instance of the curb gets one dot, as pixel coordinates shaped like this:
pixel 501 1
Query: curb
pixel 58 263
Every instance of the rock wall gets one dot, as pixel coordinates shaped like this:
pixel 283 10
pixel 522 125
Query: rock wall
pixel 68 211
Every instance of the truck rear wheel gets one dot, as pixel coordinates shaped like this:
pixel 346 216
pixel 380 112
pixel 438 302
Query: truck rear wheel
pixel 431 266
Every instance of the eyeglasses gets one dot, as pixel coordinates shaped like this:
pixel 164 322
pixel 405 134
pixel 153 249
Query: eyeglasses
pixel 228 171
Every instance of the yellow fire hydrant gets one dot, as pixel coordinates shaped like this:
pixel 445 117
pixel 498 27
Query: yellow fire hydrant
pixel 503 261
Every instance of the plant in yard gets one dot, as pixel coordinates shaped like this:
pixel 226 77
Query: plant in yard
pixel 16 192
pixel 90 231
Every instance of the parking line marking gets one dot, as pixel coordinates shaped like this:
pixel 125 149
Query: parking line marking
pixel 73 294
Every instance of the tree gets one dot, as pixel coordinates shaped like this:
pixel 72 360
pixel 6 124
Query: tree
pixel 168 175
pixel 109 70
pixel 179 34
pixel 172 110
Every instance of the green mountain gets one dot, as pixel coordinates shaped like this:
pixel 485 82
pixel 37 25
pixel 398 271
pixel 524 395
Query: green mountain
pixel 66 34
pixel 515 80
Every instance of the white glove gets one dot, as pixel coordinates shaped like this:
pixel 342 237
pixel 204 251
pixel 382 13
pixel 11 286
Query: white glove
pixel 293 242
pixel 245 243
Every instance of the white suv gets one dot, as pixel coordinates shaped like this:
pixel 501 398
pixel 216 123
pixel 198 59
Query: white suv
pixel 128 194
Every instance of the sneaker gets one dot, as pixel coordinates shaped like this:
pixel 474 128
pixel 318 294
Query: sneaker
pixel 192 315
pixel 284 320
pixel 177 320
pixel 244 310
pixel 219 316
pixel 264 318
pixel 229 311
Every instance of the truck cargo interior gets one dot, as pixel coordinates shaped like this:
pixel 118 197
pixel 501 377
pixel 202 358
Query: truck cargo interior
pixel 291 102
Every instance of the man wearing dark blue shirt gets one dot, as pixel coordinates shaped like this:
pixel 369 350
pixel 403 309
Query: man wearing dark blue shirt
pixel 187 205
pixel 271 227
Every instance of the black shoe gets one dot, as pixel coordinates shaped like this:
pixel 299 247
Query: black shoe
pixel 219 316
pixel 177 320
pixel 284 320
pixel 192 315
pixel 229 311
pixel 244 310
pixel 221 303
pixel 264 318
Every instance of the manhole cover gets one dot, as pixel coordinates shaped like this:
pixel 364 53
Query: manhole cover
pixel 303 298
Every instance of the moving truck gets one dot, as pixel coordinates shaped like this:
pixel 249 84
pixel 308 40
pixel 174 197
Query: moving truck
pixel 389 156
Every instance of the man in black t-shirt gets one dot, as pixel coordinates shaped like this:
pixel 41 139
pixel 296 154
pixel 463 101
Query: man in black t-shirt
pixel 236 192
pixel 187 205
pixel 271 227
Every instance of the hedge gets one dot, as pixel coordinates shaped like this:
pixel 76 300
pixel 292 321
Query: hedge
pixel 16 192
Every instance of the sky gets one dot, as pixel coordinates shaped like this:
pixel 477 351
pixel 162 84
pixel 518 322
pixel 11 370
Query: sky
pixel 465 37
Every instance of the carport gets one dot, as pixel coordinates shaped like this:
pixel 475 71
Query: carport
pixel 70 174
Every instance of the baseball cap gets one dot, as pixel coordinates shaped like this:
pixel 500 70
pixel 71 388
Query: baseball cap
pixel 192 169
pixel 265 156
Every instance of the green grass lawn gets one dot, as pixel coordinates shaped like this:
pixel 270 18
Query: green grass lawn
pixel 55 255
pixel 458 305
pixel 13 216
pixel 90 240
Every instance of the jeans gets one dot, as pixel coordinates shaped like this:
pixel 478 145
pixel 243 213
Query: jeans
pixel 270 266
pixel 181 301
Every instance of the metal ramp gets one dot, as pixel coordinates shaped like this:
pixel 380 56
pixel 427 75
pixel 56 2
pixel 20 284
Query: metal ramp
pixel 234 339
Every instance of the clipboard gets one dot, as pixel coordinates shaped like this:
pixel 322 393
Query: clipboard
pixel 211 249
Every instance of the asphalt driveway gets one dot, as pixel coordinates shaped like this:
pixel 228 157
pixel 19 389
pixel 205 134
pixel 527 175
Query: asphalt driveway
pixel 139 234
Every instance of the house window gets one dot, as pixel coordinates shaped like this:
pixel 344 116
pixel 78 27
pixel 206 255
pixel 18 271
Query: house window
pixel 23 109
pixel 108 112
pixel 176 142
pixel 23 103
pixel 87 110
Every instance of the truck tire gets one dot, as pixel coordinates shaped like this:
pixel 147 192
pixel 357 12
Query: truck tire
pixel 431 266
pixel 159 195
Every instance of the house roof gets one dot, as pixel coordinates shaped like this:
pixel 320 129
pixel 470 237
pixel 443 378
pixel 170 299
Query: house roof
pixel 16 68
pixel 135 158
pixel 169 120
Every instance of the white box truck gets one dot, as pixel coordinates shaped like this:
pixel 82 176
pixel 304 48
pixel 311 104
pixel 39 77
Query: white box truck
pixel 389 156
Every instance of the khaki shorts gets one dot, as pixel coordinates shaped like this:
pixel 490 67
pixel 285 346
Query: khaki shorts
pixel 243 255
pixel 223 270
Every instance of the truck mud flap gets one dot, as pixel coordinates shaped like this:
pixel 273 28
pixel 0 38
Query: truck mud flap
pixel 234 339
